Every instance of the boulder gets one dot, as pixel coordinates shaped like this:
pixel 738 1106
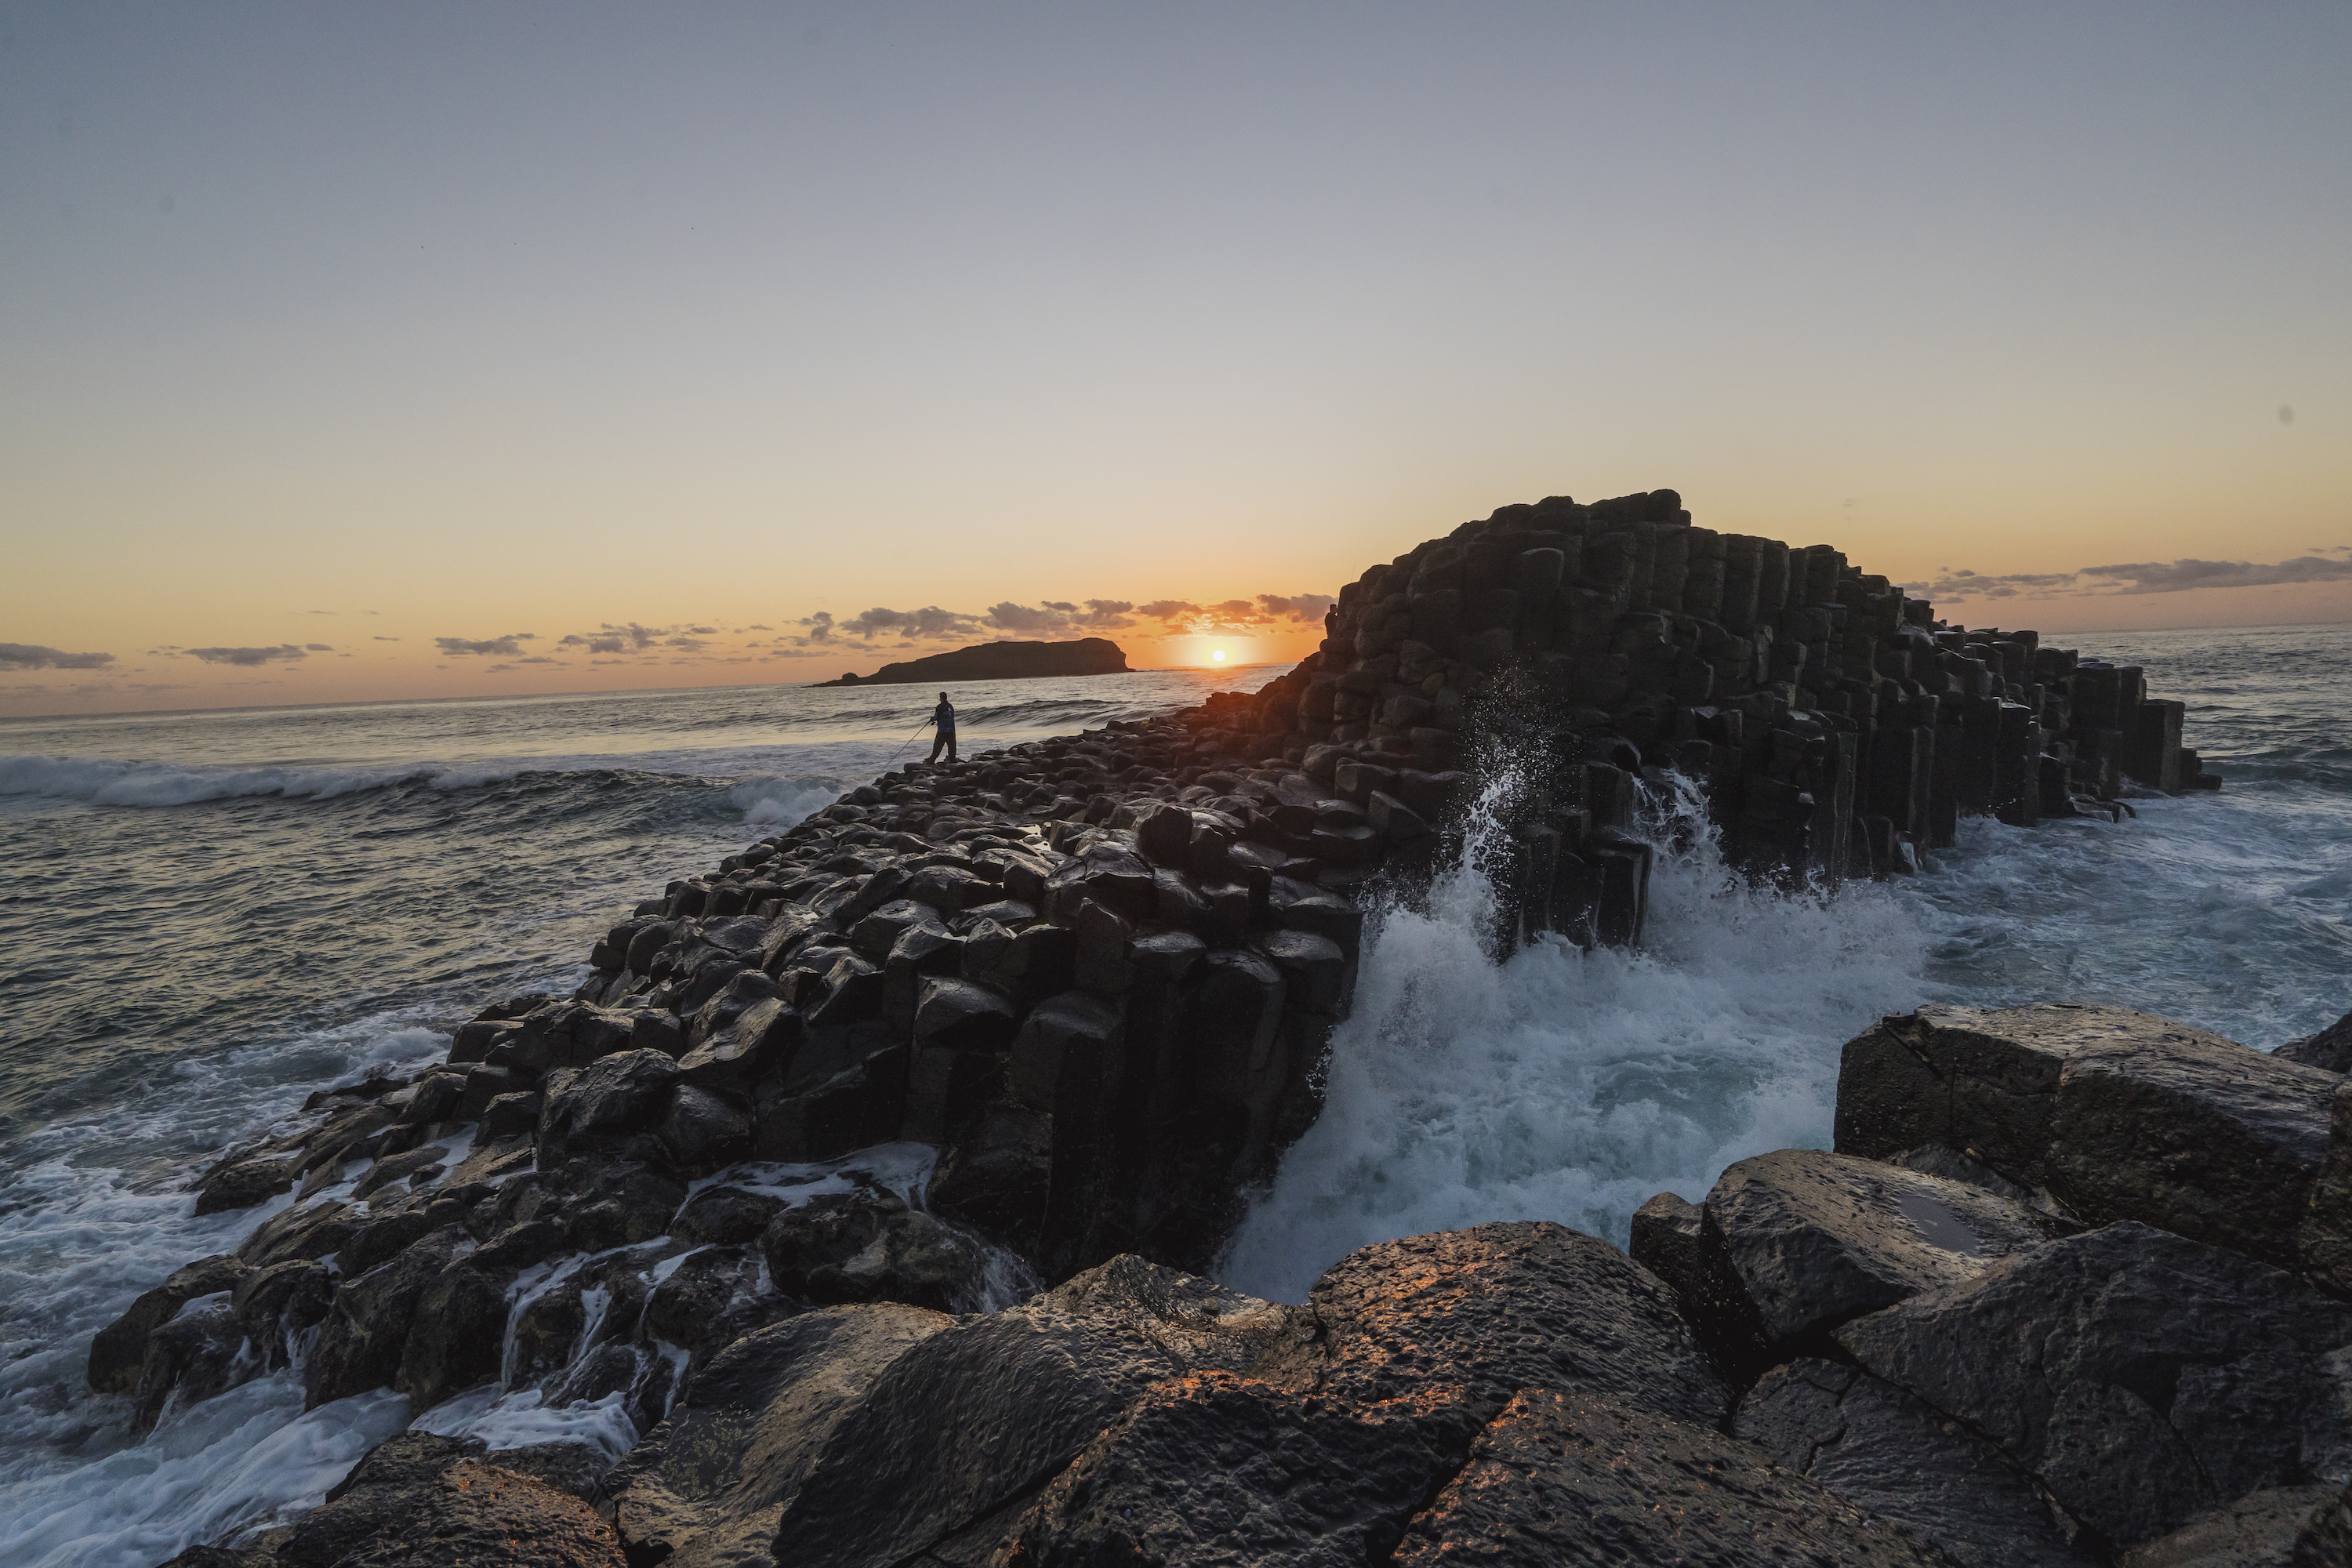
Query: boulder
pixel 2140 1378
pixel 1216 1468
pixel 241 1181
pixel 757 1041
pixel 1879 1448
pixel 193 1356
pixel 870 1246
pixel 2260 1529
pixel 1791 1244
pixel 1589 1478
pixel 424 1501
pixel 705 1487
pixel 276 1303
pixel 702 1132
pixel 604 1102
pixel 310 1233
pixel 456 1333
pixel 2330 1048
pixel 1471 1316
pixel 726 1217
pixel 119 1349
pixel 360 1341
pixel 2326 1541
pixel 719 1016
pixel 2193 1133
pixel 2323 1240
pixel 971 1419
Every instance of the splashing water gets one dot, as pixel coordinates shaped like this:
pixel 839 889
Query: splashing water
pixel 1568 1085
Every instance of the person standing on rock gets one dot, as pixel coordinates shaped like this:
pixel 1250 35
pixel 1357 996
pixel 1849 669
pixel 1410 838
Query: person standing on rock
pixel 944 717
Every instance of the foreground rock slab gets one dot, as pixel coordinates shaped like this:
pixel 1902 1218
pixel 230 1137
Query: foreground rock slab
pixel 706 1487
pixel 2120 1115
pixel 419 1501
pixel 1588 1479
pixel 2140 1378
pixel 1791 1244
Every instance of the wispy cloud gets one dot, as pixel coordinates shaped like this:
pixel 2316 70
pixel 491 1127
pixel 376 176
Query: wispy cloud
pixel 505 647
pixel 247 657
pixel 30 656
pixel 2133 578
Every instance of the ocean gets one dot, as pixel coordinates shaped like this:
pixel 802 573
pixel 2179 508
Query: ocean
pixel 209 916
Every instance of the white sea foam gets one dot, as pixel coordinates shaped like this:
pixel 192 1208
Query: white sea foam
pixel 1571 1085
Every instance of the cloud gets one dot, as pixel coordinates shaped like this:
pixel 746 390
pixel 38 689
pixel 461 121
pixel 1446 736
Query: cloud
pixel 1059 616
pixel 756 626
pixel 2133 578
pixel 1296 606
pixel 692 645
pixel 316 647
pixel 381 638
pixel 702 631
pixel 507 645
pixel 929 624
pixel 246 657
pixel 538 659
pixel 28 656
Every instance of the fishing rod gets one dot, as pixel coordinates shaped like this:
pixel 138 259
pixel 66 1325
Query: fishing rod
pixel 902 747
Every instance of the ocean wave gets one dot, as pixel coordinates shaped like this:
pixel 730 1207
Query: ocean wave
pixel 103 781
pixel 765 798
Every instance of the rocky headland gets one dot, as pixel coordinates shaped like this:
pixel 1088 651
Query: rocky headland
pixel 874 1173
pixel 999 661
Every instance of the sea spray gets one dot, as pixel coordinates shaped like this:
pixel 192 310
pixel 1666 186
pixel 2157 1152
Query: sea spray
pixel 1571 1085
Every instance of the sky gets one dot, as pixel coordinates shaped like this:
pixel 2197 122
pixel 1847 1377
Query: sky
pixel 433 350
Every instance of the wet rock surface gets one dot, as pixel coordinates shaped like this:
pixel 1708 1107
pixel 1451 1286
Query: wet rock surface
pixel 1590 1478
pixel 420 1501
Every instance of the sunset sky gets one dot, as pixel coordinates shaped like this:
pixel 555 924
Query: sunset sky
pixel 427 350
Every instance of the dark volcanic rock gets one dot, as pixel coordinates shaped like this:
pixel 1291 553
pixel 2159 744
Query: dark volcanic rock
pixel 727 1215
pixel 2258 1530
pixel 1793 1243
pixel 604 1101
pixel 421 1502
pixel 705 1487
pixel 2194 1134
pixel 1582 1477
pixel 193 1356
pixel 360 1343
pixel 280 1300
pixel 968 1423
pixel 455 1334
pixel 1982 1080
pixel 1213 1467
pixel 1875 1446
pixel 1475 1315
pixel 2330 1048
pixel 2166 1378
pixel 870 1246
pixel 242 1181
pixel 119 1349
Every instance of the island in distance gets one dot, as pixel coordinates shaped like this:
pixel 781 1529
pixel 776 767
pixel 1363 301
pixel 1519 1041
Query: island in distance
pixel 1000 661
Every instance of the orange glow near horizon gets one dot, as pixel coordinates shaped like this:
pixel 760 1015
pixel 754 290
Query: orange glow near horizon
pixel 1203 651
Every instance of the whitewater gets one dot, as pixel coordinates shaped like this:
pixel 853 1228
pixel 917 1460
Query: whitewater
pixel 211 916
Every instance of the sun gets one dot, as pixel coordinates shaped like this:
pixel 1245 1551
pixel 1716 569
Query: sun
pixel 1217 656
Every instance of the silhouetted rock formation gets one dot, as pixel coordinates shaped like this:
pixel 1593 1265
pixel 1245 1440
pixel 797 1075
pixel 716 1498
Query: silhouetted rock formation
pixel 1000 661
